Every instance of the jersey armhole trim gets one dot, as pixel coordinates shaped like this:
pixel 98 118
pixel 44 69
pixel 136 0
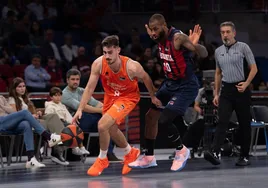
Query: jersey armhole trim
pixel 101 66
pixel 127 70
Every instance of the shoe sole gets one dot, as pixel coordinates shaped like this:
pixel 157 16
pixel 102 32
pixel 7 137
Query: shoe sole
pixel 242 165
pixel 152 165
pixel 184 163
pixel 137 156
pixel 54 159
pixel 208 157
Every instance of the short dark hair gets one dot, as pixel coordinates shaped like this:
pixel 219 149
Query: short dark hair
pixel 112 40
pixel 228 23
pixel 10 13
pixel 55 90
pixel 36 56
pixel 158 17
pixel 73 72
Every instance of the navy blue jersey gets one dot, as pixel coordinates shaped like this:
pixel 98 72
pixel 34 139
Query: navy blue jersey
pixel 177 64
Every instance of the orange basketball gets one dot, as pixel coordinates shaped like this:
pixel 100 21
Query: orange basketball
pixel 72 136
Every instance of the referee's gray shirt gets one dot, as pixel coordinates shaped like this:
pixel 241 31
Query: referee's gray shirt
pixel 231 61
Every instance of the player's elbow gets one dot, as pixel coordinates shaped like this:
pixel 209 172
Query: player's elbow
pixel 203 53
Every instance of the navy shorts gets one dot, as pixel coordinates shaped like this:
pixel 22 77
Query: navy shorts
pixel 178 95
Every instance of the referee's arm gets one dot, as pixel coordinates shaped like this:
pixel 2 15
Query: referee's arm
pixel 251 62
pixel 218 75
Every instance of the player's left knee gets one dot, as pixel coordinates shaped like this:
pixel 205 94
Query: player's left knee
pixel 102 126
pixel 167 117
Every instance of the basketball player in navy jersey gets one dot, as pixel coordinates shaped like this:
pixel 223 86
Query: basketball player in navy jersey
pixel 177 92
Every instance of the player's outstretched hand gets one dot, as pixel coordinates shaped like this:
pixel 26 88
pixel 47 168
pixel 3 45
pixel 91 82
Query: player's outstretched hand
pixel 77 117
pixel 148 30
pixel 194 35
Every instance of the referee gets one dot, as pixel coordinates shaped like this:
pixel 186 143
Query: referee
pixel 235 69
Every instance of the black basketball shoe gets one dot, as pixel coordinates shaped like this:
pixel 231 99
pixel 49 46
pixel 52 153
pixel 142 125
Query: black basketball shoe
pixel 57 156
pixel 242 161
pixel 212 157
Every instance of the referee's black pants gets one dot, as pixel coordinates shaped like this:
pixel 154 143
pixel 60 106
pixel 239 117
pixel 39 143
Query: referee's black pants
pixel 231 99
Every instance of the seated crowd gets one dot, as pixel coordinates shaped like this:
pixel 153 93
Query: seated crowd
pixel 50 121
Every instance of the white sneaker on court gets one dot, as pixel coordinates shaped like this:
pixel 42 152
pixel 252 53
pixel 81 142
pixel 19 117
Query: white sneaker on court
pixel 77 151
pixel 33 163
pixel 84 151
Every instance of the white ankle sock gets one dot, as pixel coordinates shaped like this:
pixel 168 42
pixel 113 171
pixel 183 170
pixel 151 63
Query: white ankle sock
pixel 103 154
pixel 127 149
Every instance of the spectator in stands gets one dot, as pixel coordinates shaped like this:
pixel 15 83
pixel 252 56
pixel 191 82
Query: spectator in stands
pixel 49 48
pixel 18 99
pixel 161 75
pixel 7 25
pixel 135 49
pixel 149 67
pixel 83 64
pixel 37 9
pixel 55 73
pixel 50 10
pixel 19 41
pixel 4 56
pixel 148 55
pixel 69 50
pixel 36 34
pixel 36 78
pixel 9 7
pixel 97 52
pixel 71 97
pixel 12 122
pixel 56 107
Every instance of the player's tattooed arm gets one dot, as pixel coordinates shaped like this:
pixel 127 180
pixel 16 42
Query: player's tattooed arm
pixel 181 39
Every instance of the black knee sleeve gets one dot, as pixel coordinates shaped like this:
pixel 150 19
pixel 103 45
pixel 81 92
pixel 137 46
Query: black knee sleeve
pixel 166 120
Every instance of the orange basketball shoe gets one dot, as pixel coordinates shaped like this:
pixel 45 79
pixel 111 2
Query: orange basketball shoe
pixel 129 158
pixel 98 166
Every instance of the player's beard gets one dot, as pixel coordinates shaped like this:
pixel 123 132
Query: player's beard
pixel 161 36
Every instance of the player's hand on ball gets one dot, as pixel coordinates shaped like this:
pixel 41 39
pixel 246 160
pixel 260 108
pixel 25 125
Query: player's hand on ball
pixel 156 101
pixel 77 117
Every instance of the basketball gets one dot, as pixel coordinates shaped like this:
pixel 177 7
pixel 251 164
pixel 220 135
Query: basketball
pixel 72 136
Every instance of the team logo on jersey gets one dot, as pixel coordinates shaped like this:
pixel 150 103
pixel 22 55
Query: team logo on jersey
pixel 166 57
pixel 119 108
pixel 171 102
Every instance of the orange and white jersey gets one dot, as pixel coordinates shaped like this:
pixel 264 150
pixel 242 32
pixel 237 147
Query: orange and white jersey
pixel 119 85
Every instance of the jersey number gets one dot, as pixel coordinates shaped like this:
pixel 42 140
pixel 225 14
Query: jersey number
pixel 167 67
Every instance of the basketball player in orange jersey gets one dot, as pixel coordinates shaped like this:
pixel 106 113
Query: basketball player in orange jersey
pixel 119 76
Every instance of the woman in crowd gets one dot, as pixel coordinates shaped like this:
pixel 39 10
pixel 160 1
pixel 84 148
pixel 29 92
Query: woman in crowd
pixel 12 122
pixel 18 99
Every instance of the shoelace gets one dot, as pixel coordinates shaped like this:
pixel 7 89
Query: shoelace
pixel 98 163
pixel 127 158
pixel 179 157
pixel 141 158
